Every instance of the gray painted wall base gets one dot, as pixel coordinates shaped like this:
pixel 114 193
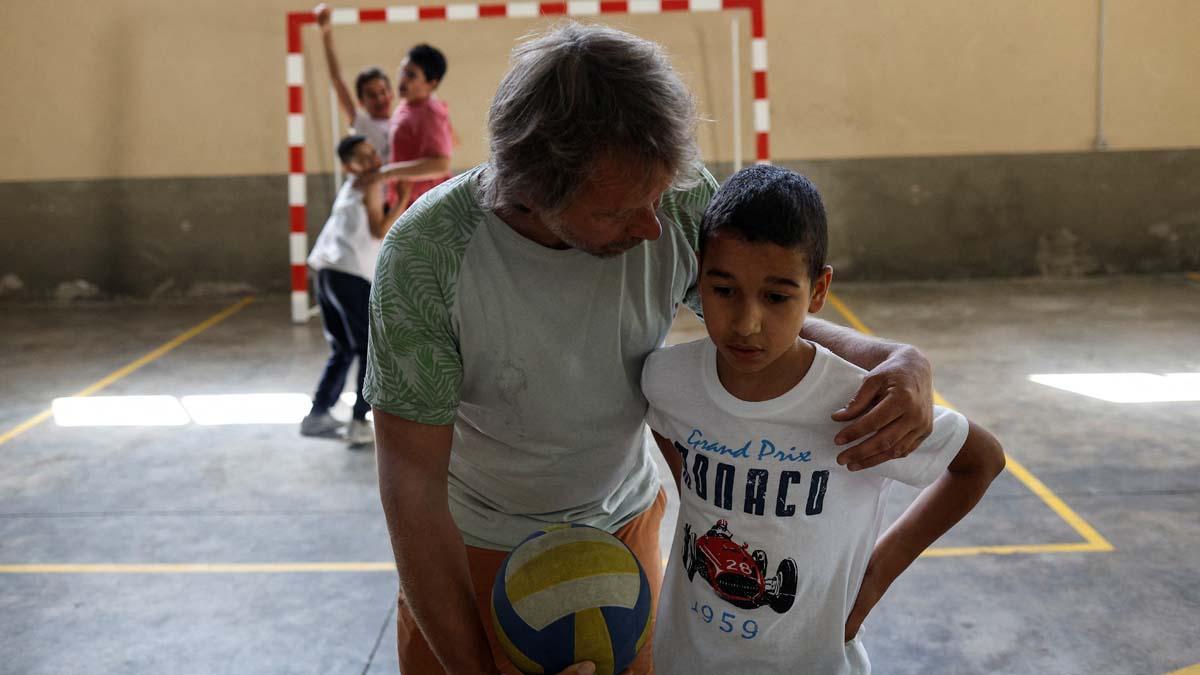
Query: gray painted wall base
pixel 151 237
pixel 1057 215
pixel 1061 215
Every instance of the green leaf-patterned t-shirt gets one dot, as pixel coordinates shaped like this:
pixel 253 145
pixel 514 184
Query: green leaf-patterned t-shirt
pixel 534 355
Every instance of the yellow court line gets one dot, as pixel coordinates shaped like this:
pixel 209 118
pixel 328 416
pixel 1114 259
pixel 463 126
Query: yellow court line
pixel 1060 507
pixel 1190 670
pixel 1094 541
pixel 293 568
pixel 1193 276
pixel 850 317
pixel 131 367
pixel 1012 549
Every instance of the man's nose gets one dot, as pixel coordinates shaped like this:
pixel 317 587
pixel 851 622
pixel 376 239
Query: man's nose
pixel 646 225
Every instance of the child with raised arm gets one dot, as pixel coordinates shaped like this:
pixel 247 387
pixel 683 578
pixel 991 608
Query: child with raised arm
pixel 418 132
pixel 343 258
pixel 777 561
pixel 372 114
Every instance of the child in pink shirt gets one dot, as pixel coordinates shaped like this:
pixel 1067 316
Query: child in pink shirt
pixel 420 126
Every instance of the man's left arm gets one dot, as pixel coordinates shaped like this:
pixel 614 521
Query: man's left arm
pixel 895 401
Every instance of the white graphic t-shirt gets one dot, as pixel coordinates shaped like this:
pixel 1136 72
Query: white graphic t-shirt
pixel 346 243
pixel 773 536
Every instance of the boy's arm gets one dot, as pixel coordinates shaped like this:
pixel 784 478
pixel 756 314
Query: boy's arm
pixel 934 512
pixel 669 453
pixel 345 101
pixel 377 220
pixel 895 401
pixel 416 169
pixel 426 168
pixel 403 190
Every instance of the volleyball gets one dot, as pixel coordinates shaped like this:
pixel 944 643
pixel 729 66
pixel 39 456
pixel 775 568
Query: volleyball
pixel 568 594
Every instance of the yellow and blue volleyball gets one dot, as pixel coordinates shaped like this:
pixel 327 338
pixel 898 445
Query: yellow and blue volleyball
pixel 568 594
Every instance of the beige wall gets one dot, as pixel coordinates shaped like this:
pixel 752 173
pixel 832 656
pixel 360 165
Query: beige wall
pixel 478 58
pixel 933 77
pixel 134 88
pixel 1152 74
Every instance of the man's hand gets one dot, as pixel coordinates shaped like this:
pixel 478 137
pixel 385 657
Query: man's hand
pixel 587 668
pixel 322 13
pixel 895 404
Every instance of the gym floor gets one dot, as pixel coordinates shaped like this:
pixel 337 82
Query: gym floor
pixel 237 546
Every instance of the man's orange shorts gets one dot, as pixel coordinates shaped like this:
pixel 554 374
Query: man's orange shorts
pixel 640 535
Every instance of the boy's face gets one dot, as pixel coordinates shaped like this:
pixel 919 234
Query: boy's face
pixel 756 298
pixel 376 98
pixel 364 159
pixel 413 86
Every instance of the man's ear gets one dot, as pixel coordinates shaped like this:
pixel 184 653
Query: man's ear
pixel 820 288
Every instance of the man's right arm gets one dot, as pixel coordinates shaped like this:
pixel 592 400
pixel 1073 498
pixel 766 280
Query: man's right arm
pixel 345 101
pixel 430 555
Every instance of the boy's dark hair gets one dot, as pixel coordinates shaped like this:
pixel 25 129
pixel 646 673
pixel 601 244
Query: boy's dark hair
pixel 430 59
pixel 770 204
pixel 366 76
pixel 347 145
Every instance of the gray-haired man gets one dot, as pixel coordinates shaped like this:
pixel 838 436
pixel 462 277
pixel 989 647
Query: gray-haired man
pixel 511 313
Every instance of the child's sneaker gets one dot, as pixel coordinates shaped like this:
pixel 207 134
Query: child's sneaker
pixel 320 424
pixel 360 432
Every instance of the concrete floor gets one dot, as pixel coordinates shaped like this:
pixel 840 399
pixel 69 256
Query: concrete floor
pixel 259 493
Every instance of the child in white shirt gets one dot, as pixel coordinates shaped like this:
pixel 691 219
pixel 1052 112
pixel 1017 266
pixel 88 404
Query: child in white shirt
pixel 343 259
pixel 776 562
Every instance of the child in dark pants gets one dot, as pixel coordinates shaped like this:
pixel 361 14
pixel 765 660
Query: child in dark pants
pixel 343 301
pixel 344 261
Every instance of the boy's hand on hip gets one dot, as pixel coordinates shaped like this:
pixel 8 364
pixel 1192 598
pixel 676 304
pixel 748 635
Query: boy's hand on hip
pixel 894 407
pixel 868 596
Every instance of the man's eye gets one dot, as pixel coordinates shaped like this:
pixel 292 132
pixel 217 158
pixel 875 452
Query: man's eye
pixel 776 298
pixel 722 291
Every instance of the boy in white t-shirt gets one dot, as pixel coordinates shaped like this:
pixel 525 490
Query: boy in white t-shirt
pixel 372 89
pixel 776 562
pixel 343 258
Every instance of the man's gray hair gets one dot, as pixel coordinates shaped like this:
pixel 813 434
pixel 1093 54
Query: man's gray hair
pixel 574 94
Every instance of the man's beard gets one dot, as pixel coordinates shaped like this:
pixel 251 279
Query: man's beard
pixel 559 228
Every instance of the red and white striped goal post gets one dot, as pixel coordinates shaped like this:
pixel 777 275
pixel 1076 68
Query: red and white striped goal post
pixel 297 188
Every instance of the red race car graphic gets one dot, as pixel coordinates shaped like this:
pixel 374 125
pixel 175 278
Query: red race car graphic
pixel 736 574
